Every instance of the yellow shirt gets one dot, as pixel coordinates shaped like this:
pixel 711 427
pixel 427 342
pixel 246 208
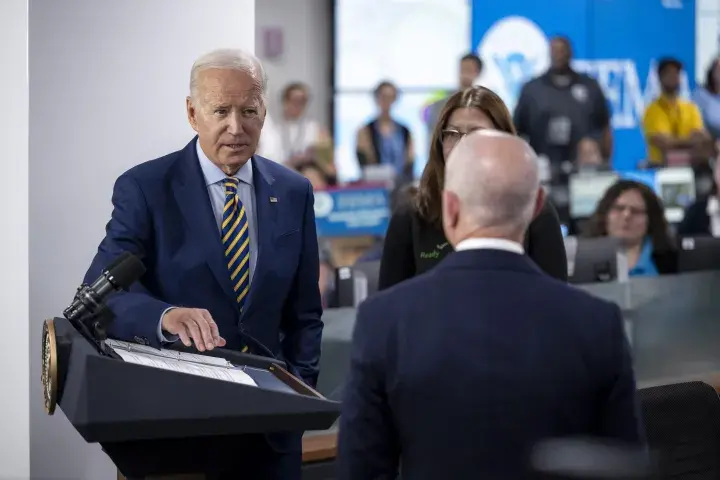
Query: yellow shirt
pixel 677 118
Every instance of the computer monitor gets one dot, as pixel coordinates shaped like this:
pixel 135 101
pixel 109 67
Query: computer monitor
pixel 676 189
pixel 586 189
pixel 699 254
pixel 592 260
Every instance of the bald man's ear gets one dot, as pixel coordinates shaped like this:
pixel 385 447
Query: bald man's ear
pixel 539 202
pixel 450 212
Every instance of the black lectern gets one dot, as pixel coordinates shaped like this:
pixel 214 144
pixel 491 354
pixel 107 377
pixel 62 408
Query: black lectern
pixel 158 422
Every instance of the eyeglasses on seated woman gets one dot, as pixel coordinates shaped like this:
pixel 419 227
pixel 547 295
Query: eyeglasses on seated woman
pixel 415 242
pixel 631 212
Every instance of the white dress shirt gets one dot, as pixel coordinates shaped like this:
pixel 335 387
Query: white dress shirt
pixel 214 180
pixel 490 244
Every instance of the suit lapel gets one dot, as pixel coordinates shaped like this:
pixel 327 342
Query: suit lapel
pixel 192 196
pixel 265 220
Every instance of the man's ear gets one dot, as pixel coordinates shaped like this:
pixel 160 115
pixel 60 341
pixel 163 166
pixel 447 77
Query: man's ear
pixel 539 202
pixel 191 113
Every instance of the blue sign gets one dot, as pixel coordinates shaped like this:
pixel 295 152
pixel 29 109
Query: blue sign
pixel 618 42
pixel 352 212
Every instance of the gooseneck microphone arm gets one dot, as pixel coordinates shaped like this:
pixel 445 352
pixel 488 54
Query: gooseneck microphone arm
pixel 88 312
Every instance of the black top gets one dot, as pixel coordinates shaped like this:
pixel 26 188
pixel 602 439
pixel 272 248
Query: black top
pixel 696 220
pixel 414 246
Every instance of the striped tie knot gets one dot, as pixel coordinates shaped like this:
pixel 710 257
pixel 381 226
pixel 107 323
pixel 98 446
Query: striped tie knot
pixel 231 185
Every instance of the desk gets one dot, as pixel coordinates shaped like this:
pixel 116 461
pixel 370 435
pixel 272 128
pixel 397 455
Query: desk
pixel 321 447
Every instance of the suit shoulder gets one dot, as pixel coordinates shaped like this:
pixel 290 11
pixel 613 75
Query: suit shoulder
pixel 287 176
pixel 571 294
pixel 154 168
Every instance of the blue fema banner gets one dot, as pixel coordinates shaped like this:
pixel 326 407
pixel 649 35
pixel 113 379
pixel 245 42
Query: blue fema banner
pixel 618 42
pixel 352 212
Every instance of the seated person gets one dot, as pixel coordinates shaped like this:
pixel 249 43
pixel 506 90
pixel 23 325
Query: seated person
pixel 673 127
pixel 631 212
pixel 702 218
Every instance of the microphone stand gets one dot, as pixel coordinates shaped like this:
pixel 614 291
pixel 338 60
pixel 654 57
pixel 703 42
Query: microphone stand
pixel 93 328
pixel 97 324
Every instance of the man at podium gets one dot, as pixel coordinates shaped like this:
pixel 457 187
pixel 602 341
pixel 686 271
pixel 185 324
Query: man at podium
pixel 229 243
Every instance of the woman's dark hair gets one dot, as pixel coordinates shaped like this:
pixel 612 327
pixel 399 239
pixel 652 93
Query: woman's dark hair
pixel 710 85
pixel 657 227
pixel 291 87
pixel 429 195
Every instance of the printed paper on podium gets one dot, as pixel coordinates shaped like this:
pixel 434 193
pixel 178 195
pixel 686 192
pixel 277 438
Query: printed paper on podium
pixel 200 365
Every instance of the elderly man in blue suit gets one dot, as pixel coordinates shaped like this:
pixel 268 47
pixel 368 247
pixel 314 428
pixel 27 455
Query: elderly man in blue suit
pixel 459 372
pixel 229 242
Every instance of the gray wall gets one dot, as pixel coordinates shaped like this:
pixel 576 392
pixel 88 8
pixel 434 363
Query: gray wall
pixel 307 38
pixel 15 452
pixel 108 86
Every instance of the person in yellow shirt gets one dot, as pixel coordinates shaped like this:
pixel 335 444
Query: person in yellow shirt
pixel 674 129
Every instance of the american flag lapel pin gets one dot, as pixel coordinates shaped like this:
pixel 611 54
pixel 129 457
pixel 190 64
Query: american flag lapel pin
pixel 273 199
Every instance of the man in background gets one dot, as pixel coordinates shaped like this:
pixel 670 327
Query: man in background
pixel 229 243
pixel 563 109
pixel 674 129
pixel 471 67
pixel 484 356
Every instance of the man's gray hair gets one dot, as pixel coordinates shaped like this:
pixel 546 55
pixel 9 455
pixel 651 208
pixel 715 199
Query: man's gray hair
pixel 229 59
pixel 496 178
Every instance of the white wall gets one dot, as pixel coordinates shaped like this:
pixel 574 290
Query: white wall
pixel 307 39
pixel 15 451
pixel 108 86
pixel 707 35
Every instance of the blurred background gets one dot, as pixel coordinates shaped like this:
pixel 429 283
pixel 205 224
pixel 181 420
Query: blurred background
pixel 340 69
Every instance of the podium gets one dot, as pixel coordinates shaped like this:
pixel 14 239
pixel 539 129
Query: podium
pixel 154 422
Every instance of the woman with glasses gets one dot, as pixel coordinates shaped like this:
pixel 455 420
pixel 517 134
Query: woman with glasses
pixel 415 241
pixel 631 212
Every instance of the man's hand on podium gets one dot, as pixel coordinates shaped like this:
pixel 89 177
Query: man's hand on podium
pixel 193 325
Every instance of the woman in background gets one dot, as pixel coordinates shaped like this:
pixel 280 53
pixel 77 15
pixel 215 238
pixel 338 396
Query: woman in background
pixel 632 213
pixel 384 140
pixel 297 134
pixel 415 241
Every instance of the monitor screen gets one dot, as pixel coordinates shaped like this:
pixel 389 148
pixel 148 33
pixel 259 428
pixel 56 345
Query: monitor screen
pixel 676 189
pixel 586 190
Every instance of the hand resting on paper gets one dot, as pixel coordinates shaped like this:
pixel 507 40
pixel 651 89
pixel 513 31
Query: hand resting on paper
pixel 193 325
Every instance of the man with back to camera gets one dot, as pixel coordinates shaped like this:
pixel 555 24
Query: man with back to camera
pixel 563 109
pixel 470 70
pixel 229 242
pixel 459 372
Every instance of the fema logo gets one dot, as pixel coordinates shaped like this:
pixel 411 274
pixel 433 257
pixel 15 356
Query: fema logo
pixel 323 204
pixel 515 50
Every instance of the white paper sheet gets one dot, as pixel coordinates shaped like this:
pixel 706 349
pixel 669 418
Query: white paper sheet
pixel 233 375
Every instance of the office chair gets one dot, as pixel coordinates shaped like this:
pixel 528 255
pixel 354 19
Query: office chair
pixel 682 422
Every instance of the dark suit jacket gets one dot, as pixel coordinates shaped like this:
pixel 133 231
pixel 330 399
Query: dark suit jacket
pixel 457 373
pixel 162 213
pixel 696 221
pixel 414 246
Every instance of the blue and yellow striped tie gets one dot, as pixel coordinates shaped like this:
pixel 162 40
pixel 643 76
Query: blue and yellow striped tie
pixel 236 240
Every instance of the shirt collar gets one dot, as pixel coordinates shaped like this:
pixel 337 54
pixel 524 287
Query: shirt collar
pixel 214 175
pixel 490 243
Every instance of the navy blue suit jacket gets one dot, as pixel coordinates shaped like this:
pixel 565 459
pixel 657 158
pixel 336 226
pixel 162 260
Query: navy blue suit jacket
pixel 162 213
pixel 458 372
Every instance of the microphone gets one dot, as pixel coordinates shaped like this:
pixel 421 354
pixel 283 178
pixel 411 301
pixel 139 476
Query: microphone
pixel 119 275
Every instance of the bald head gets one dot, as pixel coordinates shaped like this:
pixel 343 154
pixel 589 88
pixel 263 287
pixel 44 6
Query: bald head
pixel 493 179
